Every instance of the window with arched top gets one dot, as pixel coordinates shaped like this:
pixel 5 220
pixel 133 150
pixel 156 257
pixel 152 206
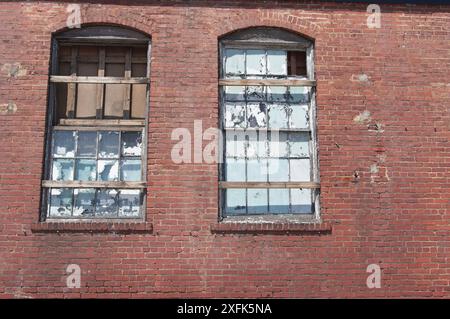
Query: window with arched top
pixel 268 121
pixel 96 134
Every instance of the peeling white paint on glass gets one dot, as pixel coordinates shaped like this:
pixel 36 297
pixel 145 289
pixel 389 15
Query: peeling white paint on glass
pixel 131 170
pixel 86 170
pixel 60 202
pixel 299 117
pixel 108 170
pixel 299 144
pixel 129 203
pixel 276 62
pixel 256 115
pixel 84 202
pixel 64 144
pixel 107 202
pixel 234 62
pixel 235 115
pixel 108 144
pixel 62 170
pixel 131 143
pixel 256 62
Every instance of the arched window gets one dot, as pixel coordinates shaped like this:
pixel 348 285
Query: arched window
pixel 96 135
pixel 268 117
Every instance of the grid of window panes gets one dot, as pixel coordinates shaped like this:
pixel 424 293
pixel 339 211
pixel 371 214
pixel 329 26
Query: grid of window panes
pixel 97 155
pixel 267 136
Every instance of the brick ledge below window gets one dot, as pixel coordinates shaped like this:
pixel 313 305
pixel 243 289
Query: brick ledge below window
pixel 271 228
pixel 92 227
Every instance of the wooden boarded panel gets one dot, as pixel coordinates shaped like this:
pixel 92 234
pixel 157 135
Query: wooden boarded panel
pixel 114 100
pixel 138 101
pixel 86 100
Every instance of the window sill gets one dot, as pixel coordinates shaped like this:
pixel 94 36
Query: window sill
pixel 281 228
pixel 92 227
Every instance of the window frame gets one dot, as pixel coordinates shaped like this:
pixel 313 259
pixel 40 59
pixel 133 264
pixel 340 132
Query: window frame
pixel 269 38
pixel 98 36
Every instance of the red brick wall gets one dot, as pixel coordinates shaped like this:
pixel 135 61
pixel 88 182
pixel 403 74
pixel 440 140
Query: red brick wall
pixel 385 179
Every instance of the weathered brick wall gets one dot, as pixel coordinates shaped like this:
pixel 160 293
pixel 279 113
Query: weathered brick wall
pixel 383 123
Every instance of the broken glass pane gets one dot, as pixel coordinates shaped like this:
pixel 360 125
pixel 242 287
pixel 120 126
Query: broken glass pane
pixel 85 170
pixel 64 144
pixel 131 170
pixel 235 170
pixel 107 203
pixel 278 170
pixel 300 170
pixel 235 143
pixel 276 62
pixel 108 170
pixel 278 144
pixel 235 114
pixel 257 170
pixel 298 94
pixel 84 202
pixel 256 62
pixel 276 93
pixel 108 144
pixel 87 144
pixel 131 143
pixel 299 143
pixel 301 201
pixel 62 170
pixel 278 116
pixel 299 116
pixel 235 201
pixel 130 201
pixel 60 202
pixel 235 93
pixel 278 201
pixel 235 62
pixel 256 93
pixel 257 201
pixel 256 115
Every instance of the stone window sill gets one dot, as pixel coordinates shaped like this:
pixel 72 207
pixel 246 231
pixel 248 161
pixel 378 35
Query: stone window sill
pixel 92 227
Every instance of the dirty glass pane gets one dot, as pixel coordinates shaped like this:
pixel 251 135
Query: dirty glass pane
pixel 108 144
pixel 299 143
pixel 107 203
pixel 256 62
pixel 257 147
pixel 84 202
pixel 235 170
pixel 299 94
pixel 276 93
pixel 235 201
pixel 87 144
pixel 86 170
pixel 235 143
pixel 60 202
pixel 108 170
pixel 256 115
pixel 257 201
pixel 278 144
pixel 257 170
pixel 256 93
pixel 130 201
pixel 278 170
pixel 64 144
pixel 278 116
pixel 131 143
pixel 62 170
pixel 235 93
pixel 235 62
pixel 300 170
pixel 301 201
pixel 299 117
pixel 278 201
pixel 276 62
pixel 131 170
pixel 235 115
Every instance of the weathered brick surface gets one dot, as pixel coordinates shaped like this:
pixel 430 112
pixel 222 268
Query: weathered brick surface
pixel 385 175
